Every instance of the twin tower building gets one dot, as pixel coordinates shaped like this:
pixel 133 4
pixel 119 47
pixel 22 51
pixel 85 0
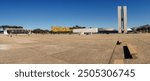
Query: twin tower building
pixel 122 19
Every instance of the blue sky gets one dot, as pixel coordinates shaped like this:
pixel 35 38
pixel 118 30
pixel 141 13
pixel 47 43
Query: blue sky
pixel 91 13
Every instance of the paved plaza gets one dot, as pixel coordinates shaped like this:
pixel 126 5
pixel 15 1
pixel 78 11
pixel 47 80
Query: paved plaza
pixel 72 49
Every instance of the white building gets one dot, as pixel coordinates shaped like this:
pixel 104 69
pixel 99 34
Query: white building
pixel 86 31
pixel 13 30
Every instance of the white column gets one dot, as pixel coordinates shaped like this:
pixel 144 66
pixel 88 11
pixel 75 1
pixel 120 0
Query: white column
pixel 125 18
pixel 119 19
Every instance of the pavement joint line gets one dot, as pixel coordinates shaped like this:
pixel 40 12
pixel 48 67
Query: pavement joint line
pixel 113 52
pixel 63 51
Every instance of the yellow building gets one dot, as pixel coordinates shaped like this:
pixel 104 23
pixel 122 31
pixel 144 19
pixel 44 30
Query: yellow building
pixel 60 29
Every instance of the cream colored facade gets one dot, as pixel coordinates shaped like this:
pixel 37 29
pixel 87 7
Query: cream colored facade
pixel 60 29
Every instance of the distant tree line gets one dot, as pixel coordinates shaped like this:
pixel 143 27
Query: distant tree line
pixel 40 31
